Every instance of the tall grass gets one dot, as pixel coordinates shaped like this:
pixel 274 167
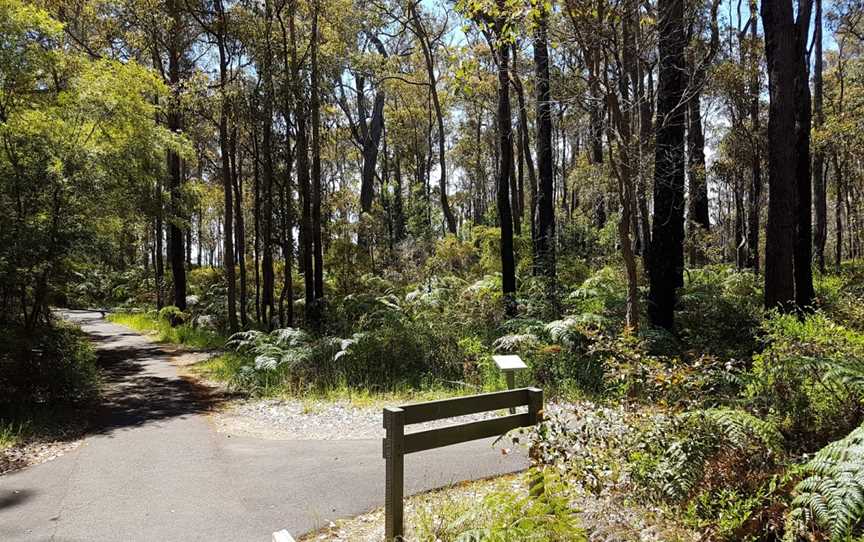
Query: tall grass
pixel 184 334
pixel 12 433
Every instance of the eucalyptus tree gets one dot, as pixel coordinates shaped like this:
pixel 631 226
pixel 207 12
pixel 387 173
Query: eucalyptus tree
pixel 666 269
pixel 788 273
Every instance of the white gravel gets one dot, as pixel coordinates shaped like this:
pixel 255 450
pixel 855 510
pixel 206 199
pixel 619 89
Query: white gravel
pixel 287 419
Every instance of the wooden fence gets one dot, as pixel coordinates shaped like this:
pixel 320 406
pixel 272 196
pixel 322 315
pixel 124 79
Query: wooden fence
pixel 397 443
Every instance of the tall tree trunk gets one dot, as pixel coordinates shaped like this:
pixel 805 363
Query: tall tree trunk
pixel 838 213
pixel 667 237
pixel 175 125
pixel 268 311
pixel 315 104
pixel 755 192
pixel 783 247
pixel 698 186
pixel 524 137
pixel 804 293
pixel 239 223
pixel 505 146
pixel 425 45
pixel 514 196
pixel 303 181
pixel 159 264
pixel 545 241
pixel 227 184
pixel 820 233
pixel 398 204
pixel 256 182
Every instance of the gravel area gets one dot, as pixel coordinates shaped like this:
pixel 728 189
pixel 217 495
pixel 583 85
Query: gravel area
pixel 33 453
pixel 287 419
pixel 605 518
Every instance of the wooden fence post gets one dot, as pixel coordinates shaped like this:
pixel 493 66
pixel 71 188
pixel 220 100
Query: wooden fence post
pixel 394 423
pixel 535 405
pixel 535 413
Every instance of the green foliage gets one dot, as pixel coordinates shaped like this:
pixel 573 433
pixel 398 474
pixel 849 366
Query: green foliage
pixel 172 316
pixel 809 378
pixel 704 449
pixel 831 496
pixel 48 365
pixel 185 334
pixel 720 310
pixel 505 515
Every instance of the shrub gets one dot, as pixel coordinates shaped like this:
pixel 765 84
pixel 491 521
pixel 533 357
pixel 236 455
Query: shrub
pixel 831 497
pixel 720 465
pixel 719 311
pixel 505 515
pixel 49 365
pixel 809 378
pixel 452 256
pixel 172 315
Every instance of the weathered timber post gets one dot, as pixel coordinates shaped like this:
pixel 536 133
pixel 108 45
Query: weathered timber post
pixel 397 443
pixel 394 423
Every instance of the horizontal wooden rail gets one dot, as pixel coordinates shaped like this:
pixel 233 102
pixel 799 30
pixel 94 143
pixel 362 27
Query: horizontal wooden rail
pixel 445 436
pixel 462 406
pixel 397 443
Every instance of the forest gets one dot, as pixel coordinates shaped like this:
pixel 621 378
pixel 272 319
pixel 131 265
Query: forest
pixel 657 204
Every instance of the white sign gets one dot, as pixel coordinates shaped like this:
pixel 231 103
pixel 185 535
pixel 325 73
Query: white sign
pixel 509 363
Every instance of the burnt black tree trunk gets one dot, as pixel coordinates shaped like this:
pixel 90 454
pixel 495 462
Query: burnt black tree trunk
pixel 820 232
pixel 784 51
pixel 303 181
pixel 667 230
pixel 267 274
pixel 803 116
pixel 175 173
pixel 315 105
pixel 755 195
pixel 505 163
pixel 220 33
pixel 545 241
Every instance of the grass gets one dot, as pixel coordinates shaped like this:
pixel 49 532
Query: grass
pixel 183 334
pixel 20 423
pixel 227 367
pixel 13 433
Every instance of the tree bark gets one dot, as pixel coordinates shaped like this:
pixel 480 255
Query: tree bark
pixel 315 104
pixel 545 241
pixel 505 146
pixel 667 236
pixel 820 233
pixel 175 125
pixel 227 184
pixel 755 191
pixel 783 250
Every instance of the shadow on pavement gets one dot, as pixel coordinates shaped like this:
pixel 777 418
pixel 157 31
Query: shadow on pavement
pixel 9 499
pixel 141 384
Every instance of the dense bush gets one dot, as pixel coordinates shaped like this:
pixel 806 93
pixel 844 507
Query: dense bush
pixel 810 378
pixel 390 348
pixel 49 365
pixel 719 311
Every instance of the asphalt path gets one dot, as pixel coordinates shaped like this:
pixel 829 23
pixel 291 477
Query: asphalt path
pixel 154 468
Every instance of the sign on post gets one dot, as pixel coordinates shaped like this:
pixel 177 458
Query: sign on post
pixel 509 364
pixel 397 443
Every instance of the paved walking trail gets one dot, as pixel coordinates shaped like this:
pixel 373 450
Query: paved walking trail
pixel 155 469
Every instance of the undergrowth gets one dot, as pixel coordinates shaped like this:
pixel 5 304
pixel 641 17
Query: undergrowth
pixel 184 333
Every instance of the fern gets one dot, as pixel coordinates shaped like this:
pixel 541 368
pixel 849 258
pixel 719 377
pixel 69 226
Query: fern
pixel 515 342
pixel 832 495
pixel 740 429
pixel 703 435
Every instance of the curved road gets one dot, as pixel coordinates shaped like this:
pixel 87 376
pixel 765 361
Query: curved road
pixel 155 469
